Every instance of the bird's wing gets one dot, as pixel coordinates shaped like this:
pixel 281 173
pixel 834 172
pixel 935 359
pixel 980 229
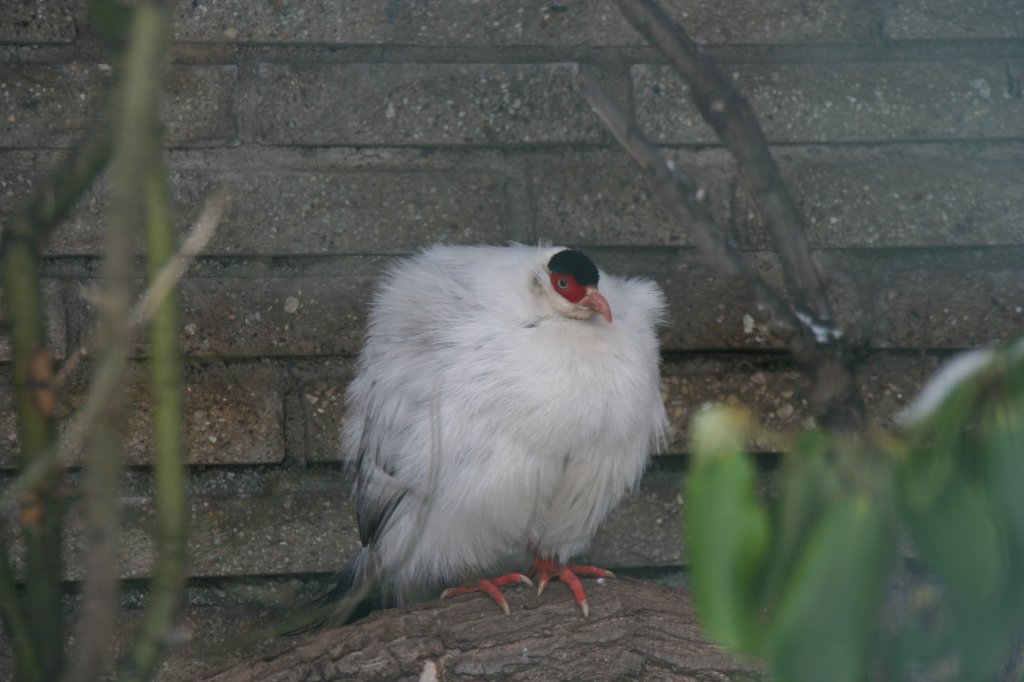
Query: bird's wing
pixel 378 491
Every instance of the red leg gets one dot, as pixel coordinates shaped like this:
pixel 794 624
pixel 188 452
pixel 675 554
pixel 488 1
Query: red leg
pixel 570 574
pixel 492 588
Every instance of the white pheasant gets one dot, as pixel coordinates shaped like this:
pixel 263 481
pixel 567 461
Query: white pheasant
pixel 496 417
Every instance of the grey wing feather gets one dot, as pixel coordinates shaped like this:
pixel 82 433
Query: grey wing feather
pixel 378 492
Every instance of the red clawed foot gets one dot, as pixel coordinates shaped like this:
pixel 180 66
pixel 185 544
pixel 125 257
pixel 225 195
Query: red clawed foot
pixel 492 588
pixel 570 575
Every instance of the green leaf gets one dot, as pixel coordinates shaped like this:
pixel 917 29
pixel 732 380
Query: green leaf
pixel 962 541
pixel 807 485
pixel 825 621
pixel 726 531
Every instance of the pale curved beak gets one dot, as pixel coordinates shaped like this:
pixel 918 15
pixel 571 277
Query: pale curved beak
pixel 596 302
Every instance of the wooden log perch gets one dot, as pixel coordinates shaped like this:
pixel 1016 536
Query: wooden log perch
pixel 636 630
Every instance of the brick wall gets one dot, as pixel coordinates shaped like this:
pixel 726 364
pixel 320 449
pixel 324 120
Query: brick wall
pixel 348 133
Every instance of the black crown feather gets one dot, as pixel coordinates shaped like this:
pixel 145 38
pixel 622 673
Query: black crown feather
pixel 574 263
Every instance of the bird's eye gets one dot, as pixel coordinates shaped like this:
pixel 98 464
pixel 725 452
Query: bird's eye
pixel 563 283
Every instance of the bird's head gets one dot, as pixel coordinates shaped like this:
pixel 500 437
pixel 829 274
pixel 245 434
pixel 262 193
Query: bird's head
pixel 573 279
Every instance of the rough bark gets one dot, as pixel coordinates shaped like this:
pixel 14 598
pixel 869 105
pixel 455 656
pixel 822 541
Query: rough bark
pixel 635 630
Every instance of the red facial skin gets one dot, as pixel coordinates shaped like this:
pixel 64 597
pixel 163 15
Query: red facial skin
pixel 567 287
pixel 587 296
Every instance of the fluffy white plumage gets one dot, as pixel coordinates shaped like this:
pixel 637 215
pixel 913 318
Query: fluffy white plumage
pixel 491 418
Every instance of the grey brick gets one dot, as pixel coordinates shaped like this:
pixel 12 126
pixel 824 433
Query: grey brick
pixel 934 19
pixel 701 313
pixel 323 409
pixel 287 201
pixel 294 525
pixel 947 309
pixel 268 316
pixel 233 415
pixel 422 104
pixel 50 105
pixel 298 212
pixel 283 212
pixel 252 317
pixel 645 529
pixel 776 393
pixel 608 200
pixel 789 21
pixel 848 102
pixel 201 106
pixel 515 22
pixel 22 170
pixel 41 21
pixel 900 196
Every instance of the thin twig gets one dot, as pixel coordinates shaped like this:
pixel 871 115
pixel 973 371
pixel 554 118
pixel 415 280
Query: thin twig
pixel 159 288
pixel 171 272
pixel 834 394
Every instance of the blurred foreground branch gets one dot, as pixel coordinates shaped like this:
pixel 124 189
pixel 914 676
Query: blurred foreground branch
pixel 139 197
pixel 38 630
pixel 165 269
pixel 137 149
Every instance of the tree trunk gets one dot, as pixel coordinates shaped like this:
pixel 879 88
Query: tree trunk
pixel 636 630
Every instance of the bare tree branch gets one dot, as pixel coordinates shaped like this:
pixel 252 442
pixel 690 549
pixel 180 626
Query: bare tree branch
pixel 682 196
pixel 834 394
pixel 730 116
pixel 807 329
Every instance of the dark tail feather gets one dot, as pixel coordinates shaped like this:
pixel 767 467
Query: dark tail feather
pixel 351 598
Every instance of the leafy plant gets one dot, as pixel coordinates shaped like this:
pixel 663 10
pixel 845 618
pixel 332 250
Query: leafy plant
pixel 800 580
